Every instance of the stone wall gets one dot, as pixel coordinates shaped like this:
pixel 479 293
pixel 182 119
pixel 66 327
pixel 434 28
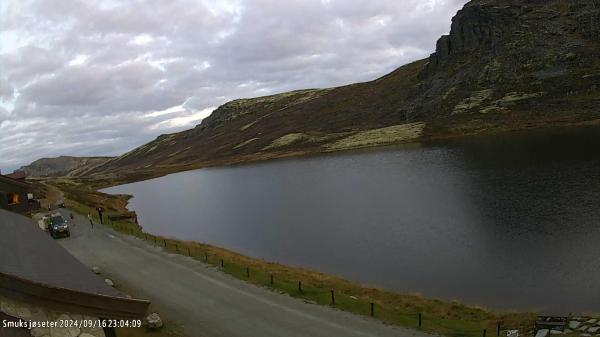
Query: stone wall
pixel 28 312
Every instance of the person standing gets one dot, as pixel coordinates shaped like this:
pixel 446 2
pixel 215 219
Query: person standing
pixel 91 221
pixel 100 210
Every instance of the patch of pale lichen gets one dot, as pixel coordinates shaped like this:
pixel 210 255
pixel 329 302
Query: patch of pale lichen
pixel 382 136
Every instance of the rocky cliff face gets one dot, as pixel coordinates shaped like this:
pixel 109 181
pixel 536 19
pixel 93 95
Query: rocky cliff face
pixel 520 59
pixel 506 64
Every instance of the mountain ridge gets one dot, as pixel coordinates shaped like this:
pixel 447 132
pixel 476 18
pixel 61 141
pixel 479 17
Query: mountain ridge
pixel 505 65
pixel 61 166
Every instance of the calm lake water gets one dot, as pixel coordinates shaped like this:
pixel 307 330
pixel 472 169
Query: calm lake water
pixel 508 222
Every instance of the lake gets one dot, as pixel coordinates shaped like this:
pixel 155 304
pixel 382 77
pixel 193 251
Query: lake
pixel 507 221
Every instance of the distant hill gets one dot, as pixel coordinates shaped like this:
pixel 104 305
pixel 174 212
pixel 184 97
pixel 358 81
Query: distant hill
pixel 505 65
pixel 62 166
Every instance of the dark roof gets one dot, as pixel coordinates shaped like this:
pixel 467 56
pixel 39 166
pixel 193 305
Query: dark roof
pixel 30 257
pixel 17 175
pixel 10 180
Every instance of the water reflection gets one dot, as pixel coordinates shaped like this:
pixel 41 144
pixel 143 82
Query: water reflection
pixel 499 221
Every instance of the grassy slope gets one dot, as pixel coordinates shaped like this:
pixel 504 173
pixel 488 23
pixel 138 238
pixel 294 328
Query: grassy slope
pixel 245 130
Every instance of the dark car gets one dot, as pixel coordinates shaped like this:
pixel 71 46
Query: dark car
pixel 58 226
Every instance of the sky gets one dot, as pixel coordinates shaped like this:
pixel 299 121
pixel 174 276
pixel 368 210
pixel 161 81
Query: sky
pixel 99 78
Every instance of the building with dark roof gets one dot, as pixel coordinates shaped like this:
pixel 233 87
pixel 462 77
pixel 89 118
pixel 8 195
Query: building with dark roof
pixel 17 175
pixel 14 195
pixel 39 277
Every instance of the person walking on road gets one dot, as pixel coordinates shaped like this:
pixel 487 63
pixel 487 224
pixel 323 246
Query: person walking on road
pixel 91 221
pixel 100 211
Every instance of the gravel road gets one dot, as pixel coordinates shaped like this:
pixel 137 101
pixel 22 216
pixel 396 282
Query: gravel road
pixel 203 301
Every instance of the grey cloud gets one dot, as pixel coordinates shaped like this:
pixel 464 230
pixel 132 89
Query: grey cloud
pixel 87 78
pixel 6 90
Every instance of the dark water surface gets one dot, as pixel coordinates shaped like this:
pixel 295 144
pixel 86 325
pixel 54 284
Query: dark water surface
pixel 508 221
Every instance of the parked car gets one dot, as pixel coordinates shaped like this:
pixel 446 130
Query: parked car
pixel 58 226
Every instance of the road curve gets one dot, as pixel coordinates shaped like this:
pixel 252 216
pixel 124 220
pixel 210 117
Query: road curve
pixel 203 301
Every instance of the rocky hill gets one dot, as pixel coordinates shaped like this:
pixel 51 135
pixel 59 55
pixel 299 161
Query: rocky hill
pixel 505 65
pixel 62 166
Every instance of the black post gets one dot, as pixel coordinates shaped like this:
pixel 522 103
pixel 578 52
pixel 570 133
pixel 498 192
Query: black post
pixel 165 242
pixel 247 272
pixel 498 329
pixel 420 320
pixel 332 297
pixel 372 309
pixel 189 252
pixel 205 257
pixel 484 332
pixel 272 281
pixel 300 287
pixel 222 263
pixel 176 247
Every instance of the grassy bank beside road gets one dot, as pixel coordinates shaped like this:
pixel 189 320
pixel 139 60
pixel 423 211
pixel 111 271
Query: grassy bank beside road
pixel 414 311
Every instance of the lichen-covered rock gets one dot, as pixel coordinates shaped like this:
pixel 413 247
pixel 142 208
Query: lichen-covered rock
pixel 153 321
pixel 109 282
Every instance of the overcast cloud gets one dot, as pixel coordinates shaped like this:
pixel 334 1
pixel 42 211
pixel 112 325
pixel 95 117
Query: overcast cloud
pixel 102 77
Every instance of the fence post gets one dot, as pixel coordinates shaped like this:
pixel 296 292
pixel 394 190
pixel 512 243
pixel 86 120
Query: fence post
pixel 332 297
pixel 206 257
pixel 484 332
pixel 189 252
pixel 272 281
pixel 300 287
pixel 247 272
pixel 373 310
pixel 420 320
pixel 165 242
pixel 222 263
pixel 176 247
pixel 498 329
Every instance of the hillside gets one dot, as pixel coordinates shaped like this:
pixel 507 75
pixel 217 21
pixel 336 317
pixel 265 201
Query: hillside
pixel 61 166
pixel 505 65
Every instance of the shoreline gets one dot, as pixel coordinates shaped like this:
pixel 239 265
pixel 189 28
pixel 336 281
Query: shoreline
pixel 439 316
pixel 467 130
pixel 82 194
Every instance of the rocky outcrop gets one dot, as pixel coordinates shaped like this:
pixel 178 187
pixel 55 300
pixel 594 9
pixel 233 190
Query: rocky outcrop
pixel 475 27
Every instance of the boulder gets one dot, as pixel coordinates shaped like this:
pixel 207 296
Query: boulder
pixel 96 270
pixel 574 325
pixel 109 282
pixel 542 333
pixel 153 321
